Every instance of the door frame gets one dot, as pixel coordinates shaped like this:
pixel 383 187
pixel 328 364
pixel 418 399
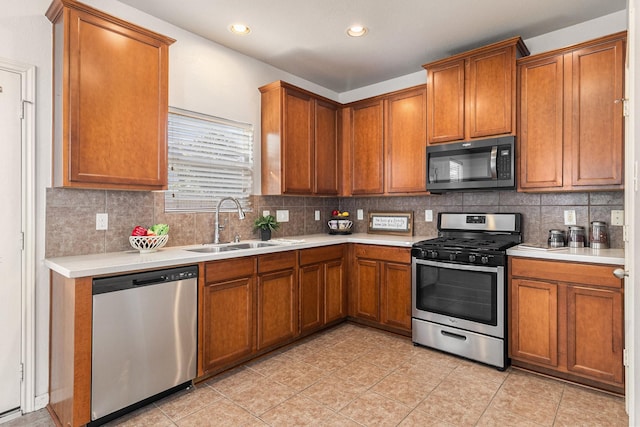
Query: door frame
pixel 28 217
pixel 632 223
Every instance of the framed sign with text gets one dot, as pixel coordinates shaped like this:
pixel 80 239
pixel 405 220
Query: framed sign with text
pixel 400 223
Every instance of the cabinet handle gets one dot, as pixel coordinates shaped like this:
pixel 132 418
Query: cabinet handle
pixel 620 273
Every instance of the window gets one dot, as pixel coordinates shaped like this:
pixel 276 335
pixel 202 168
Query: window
pixel 209 158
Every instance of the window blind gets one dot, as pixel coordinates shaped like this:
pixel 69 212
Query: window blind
pixel 208 158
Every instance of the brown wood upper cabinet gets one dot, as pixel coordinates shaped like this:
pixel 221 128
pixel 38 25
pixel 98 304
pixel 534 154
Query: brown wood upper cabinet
pixel 570 123
pixel 110 101
pixel 299 141
pixel 566 320
pixel 386 140
pixel 472 94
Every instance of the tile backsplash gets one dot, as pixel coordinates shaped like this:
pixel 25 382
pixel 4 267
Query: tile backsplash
pixel 71 215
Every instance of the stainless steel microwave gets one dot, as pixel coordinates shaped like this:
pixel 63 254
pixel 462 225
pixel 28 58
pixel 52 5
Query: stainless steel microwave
pixel 474 165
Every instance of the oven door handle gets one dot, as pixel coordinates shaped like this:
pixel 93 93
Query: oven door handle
pixel 454 266
pixel 452 335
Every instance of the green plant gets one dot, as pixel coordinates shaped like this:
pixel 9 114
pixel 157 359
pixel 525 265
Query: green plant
pixel 266 222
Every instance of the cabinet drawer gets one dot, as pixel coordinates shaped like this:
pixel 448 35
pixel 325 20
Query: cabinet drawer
pixel 218 271
pixel 384 253
pixel 562 271
pixel 316 255
pixel 276 261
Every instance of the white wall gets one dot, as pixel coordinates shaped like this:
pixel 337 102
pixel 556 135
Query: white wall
pixel 26 37
pixel 203 77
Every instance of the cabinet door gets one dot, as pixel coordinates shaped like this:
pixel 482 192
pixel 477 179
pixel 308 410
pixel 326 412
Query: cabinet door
pixel 335 292
pixel 117 106
pixel 366 290
pixel 597 117
pixel 534 322
pixel 594 333
pixel 445 102
pixel 491 93
pixel 326 148
pixel 277 308
pixel 367 148
pixel 396 295
pixel 540 149
pixel 227 322
pixel 311 297
pixel 405 142
pixel 297 143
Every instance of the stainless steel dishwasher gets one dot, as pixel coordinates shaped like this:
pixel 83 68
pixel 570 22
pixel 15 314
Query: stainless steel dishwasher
pixel 144 339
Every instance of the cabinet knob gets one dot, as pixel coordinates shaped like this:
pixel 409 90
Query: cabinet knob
pixel 620 273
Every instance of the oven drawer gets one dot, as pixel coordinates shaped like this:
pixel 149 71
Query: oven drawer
pixel 467 344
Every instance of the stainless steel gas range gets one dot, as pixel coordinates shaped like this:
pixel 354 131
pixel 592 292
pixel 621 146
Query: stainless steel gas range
pixel 459 287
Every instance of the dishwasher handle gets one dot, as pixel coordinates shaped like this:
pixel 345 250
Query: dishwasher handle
pixel 105 285
pixel 145 282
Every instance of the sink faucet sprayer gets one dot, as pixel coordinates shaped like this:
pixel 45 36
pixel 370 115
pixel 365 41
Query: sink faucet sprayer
pixel 216 238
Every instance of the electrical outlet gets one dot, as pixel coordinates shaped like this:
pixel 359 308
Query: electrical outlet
pixel 617 217
pixel 360 214
pixel 282 216
pixel 428 215
pixel 317 215
pixel 570 217
pixel 266 213
pixel 102 221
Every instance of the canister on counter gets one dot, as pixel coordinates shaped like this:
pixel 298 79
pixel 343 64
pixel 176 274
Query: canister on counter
pixel 556 238
pixel 599 237
pixel 576 237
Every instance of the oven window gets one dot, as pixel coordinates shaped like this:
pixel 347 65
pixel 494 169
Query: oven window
pixel 464 294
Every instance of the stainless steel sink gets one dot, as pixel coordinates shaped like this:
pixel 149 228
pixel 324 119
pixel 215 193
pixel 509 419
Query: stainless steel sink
pixel 210 248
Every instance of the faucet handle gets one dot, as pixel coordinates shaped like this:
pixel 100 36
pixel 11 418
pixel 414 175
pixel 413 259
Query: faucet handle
pixel 236 238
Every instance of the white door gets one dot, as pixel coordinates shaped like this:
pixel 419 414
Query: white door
pixel 11 246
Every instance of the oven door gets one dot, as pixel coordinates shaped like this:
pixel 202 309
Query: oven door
pixel 468 297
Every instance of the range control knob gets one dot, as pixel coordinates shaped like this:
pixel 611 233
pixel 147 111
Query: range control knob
pixel 433 254
pixel 452 257
pixel 484 260
pixel 472 258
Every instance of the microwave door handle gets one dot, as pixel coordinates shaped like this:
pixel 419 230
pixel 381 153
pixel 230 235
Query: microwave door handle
pixel 494 161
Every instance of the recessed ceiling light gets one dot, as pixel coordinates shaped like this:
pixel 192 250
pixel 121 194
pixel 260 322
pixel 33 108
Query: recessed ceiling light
pixel 239 29
pixel 356 31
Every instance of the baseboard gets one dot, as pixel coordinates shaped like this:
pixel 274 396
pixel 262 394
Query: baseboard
pixel 41 401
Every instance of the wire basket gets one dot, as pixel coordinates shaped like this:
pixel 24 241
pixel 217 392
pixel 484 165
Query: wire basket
pixel 148 244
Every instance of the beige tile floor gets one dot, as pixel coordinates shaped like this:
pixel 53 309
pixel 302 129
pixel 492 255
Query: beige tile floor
pixel 357 376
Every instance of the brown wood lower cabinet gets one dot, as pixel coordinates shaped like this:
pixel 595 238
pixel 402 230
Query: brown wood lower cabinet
pixel 276 302
pixel 321 285
pixel 227 326
pixel 566 319
pixel 380 289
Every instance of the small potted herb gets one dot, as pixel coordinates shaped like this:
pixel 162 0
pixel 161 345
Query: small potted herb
pixel 266 224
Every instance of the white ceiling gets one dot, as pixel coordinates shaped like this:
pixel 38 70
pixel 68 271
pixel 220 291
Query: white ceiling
pixel 308 38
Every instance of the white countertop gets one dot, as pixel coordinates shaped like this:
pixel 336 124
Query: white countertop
pixel 120 262
pixel 588 255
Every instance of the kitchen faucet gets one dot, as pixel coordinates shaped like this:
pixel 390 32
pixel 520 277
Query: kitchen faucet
pixel 216 238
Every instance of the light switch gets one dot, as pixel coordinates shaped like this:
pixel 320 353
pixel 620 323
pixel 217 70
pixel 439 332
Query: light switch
pixel 102 221
pixel 282 216
pixel 317 215
pixel 428 215
pixel 360 214
pixel 617 217
pixel 570 217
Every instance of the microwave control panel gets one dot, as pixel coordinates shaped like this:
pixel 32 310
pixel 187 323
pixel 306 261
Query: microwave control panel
pixel 504 162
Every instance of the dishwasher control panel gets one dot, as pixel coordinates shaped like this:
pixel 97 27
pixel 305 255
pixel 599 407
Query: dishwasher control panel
pixel 145 278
